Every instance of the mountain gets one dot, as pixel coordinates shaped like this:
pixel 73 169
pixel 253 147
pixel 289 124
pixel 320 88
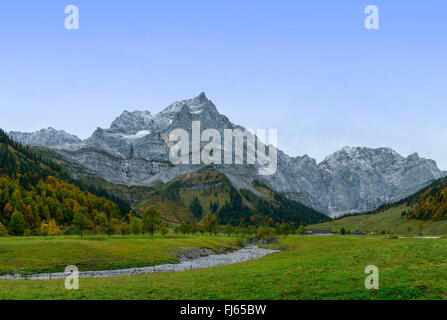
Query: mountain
pixel 134 151
pixel 45 137
pixel 361 179
pixel 38 197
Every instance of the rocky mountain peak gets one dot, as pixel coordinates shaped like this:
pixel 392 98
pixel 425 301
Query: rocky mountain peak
pixel 202 97
pixel 180 114
pixel 194 106
pixel 132 122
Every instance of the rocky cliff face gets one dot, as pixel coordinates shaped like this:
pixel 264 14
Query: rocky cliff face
pixel 134 151
pixel 360 179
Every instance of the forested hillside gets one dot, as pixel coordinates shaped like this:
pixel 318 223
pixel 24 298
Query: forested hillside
pixel 431 203
pixel 38 197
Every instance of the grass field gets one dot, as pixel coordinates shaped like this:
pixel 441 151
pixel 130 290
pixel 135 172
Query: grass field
pixel 312 267
pixel 52 254
pixel 388 220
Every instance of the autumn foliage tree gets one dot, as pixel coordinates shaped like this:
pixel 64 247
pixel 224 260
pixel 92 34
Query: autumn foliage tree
pixel 151 220
pixel 210 223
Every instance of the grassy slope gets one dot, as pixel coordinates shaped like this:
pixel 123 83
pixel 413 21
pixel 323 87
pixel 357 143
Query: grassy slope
pixel 312 268
pixel 390 219
pixel 53 254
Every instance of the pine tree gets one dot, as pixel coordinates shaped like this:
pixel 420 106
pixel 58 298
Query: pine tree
pixel 196 208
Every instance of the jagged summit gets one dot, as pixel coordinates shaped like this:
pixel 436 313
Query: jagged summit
pixel 140 123
pixel 202 96
pixel 195 106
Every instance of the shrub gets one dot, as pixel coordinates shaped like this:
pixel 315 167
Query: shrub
pixel 265 232
pixel 240 243
pixel 164 229
pixel 3 231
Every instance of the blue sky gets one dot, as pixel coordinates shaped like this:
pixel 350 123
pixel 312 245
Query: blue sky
pixel 308 68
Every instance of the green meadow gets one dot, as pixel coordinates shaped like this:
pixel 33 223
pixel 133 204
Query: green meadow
pixel 28 255
pixel 308 267
pixel 388 220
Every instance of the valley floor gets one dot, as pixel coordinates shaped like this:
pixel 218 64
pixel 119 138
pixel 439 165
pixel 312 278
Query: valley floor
pixel 309 267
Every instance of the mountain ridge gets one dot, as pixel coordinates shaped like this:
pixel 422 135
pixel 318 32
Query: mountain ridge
pixel 49 137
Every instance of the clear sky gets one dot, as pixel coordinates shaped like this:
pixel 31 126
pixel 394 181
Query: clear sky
pixel 308 68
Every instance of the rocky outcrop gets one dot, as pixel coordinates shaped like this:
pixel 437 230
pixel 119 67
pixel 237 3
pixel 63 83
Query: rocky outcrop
pixel 194 253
